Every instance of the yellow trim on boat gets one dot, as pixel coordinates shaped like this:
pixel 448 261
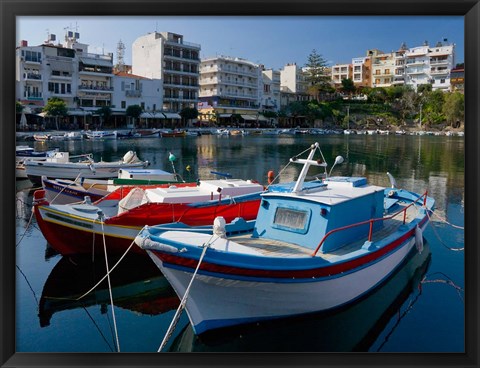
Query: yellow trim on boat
pixel 86 221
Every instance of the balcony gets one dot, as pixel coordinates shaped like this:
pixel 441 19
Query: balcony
pixel 87 88
pixel 173 70
pixel 439 62
pixel 133 93
pixel 417 72
pixel 33 96
pixel 214 81
pixel 67 77
pixel 183 43
pixel 180 57
pixel 229 70
pixel 439 71
pixel 415 62
pixel 32 77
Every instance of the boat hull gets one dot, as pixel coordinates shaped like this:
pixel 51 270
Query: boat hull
pixel 219 300
pixel 35 170
pixel 71 233
pixel 59 193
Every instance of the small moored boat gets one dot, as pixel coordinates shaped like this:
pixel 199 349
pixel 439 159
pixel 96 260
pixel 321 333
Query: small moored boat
pixel 63 191
pixel 61 166
pixel 316 246
pixel 101 134
pixel 115 220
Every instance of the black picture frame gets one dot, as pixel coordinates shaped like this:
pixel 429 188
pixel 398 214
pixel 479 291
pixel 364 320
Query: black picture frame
pixel 9 9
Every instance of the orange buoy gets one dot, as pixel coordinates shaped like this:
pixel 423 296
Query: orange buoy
pixel 270 176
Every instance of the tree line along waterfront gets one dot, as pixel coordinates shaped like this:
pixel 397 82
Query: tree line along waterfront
pixel 397 106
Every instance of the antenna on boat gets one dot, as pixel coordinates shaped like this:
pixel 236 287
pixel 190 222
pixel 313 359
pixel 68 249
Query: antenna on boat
pixel 392 180
pixel 338 161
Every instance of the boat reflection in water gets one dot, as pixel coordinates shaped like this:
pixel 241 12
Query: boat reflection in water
pixel 136 286
pixel 354 328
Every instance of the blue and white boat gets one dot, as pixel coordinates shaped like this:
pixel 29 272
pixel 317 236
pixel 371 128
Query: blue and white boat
pixel 316 246
pixel 101 134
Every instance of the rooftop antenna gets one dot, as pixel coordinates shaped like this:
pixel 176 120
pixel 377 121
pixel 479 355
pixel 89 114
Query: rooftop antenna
pixel 120 55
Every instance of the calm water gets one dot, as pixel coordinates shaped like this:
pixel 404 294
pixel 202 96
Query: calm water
pixel 420 309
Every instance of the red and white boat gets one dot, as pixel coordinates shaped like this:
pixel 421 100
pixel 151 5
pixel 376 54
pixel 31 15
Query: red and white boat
pixel 80 228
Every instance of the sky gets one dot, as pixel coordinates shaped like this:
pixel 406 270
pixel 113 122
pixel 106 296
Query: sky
pixel 269 40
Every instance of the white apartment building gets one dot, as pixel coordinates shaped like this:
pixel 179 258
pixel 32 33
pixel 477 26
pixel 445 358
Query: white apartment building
pixel 231 85
pixel 271 90
pixel 81 79
pixel 293 79
pixel 430 65
pixel 417 66
pixel 341 72
pixel 442 61
pixel 130 89
pixel 168 57
pixel 383 68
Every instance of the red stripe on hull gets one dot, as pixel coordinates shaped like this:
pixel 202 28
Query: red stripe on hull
pixel 290 274
pixel 162 213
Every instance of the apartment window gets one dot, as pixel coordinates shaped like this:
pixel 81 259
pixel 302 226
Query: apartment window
pixel 143 105
pixel 123 104
pixel 387 71
pixel 442 81
pixel 377 81
pixel 377 72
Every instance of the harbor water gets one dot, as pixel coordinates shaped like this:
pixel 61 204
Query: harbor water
pixel 420 308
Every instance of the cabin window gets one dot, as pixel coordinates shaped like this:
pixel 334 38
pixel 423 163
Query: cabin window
pixel 291 219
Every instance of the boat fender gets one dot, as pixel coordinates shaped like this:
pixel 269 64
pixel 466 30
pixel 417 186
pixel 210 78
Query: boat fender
pixel 419 239
pixel 129 157
pixel 270 176
pixel 219 226
pixel 146 243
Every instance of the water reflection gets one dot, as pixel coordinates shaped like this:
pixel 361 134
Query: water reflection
pixel 136 285
pixel 353 328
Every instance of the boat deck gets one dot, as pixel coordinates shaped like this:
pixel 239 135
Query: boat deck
pixel 281 249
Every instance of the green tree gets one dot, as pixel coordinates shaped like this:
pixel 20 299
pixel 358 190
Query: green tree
pixel 19 107
pixel 105 112
pixel 313 111
pixel 188 113
pixel 432 104
pixel 407 104
pixel 316 75
pixel 55 107
pixel 377 95
pixel 421 88
pixel 454 108
pixel 134 112
pixel 348 86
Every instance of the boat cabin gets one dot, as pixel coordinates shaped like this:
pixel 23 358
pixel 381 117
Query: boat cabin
pixel 304 217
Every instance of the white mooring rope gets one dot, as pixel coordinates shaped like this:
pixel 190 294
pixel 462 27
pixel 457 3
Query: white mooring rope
pixel 110 289
pixel 183 302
